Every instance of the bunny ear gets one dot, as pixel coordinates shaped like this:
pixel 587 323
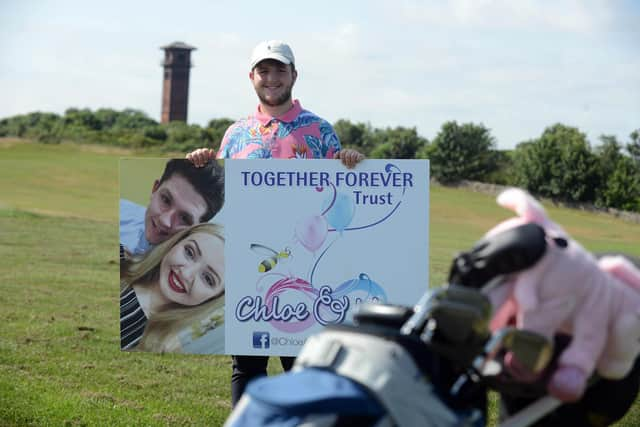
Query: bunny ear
pixel 622 269
pixel 529 210
pixel 523 204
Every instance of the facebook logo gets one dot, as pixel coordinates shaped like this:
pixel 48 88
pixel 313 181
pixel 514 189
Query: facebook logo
pixel 261 340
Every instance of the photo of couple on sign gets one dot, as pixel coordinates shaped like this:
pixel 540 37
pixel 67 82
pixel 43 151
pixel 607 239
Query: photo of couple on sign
pixel 172 269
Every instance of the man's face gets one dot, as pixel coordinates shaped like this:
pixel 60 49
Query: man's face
pixel 175 204
pixel 273 81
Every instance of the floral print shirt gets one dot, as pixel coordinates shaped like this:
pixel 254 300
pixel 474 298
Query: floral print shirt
pixel 297 134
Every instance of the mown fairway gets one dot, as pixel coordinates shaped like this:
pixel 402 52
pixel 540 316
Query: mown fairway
pixel 60 362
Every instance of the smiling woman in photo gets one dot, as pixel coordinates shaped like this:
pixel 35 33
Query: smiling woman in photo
pixel 176 286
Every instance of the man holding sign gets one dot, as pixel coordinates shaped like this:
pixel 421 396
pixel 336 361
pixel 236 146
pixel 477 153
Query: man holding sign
pixel 280 128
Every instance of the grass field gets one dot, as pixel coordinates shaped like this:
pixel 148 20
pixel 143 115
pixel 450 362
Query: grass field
pixel 60 362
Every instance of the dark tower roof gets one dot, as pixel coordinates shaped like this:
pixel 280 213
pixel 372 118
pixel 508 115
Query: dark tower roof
pixel 178 45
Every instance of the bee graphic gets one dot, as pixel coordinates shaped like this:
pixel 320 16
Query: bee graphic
pixel 272 256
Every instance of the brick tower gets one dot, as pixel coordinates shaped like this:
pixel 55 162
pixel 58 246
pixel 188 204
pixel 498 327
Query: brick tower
pixel 175 83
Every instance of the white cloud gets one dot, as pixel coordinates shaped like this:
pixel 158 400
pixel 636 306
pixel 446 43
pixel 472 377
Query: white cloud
pixel 538 15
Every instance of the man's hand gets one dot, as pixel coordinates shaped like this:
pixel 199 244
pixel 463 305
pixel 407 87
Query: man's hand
pixel 201 156
pixel 350 157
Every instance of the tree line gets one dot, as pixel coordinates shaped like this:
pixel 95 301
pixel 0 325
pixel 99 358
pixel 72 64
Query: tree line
pixel 560 164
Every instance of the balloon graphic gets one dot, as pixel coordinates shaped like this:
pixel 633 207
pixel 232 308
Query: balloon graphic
pixel 312 232
pixel 359 290
pixel 362 289
pixel 299 289
pixel 341 213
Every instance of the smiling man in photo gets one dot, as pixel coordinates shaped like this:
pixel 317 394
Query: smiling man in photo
pixel 182 197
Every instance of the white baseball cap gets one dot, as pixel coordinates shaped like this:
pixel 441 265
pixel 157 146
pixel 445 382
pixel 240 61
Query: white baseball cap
pixel 272 49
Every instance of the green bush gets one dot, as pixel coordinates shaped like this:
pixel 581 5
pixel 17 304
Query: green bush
pixel 558 165
pixel 461 152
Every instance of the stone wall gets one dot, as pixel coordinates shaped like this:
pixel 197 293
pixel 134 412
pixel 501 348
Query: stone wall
pixel 494 189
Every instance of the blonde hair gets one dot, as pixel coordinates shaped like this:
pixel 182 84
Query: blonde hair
pixel 162 329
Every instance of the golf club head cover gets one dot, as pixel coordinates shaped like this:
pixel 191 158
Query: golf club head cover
pixel 596 302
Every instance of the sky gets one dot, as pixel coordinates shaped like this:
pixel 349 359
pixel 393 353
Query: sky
pixel 516 67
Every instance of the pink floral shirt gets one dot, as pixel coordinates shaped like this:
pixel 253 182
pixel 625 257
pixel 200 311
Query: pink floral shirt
pixel 296 134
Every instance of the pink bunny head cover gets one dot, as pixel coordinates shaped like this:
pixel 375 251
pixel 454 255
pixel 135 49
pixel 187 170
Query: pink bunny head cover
pixel 569 291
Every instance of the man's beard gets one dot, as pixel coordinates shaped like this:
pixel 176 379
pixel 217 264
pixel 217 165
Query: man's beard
pixel 282 99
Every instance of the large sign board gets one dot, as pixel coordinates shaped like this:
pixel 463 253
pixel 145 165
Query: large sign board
pixel 297 246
